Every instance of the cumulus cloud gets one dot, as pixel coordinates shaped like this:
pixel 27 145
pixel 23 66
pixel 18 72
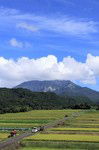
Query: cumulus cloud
pixel 93 63
pixel 48 68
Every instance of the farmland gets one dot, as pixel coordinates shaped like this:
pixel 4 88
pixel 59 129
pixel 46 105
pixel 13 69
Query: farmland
pixel 3 136
pixel 64 137
pixel 32 118
pixel 80 132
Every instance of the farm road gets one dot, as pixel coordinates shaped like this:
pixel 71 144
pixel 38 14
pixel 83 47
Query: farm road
pixel 18 138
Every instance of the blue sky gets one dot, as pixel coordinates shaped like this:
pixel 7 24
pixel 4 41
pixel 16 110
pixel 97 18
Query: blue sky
pixel 49 39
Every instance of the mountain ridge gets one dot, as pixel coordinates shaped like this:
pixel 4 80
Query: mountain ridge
pixel 61 87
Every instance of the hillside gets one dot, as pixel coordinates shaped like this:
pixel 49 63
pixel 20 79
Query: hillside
pixel 21 100
pixel 61 87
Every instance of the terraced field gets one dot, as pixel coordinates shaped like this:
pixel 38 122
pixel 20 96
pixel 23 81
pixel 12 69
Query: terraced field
pixel 27 120
pixel 82 131
pixel 64 137
pixel 32 118
pixel 79 132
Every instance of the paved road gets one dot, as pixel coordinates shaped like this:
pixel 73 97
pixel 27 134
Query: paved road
pixel 18 138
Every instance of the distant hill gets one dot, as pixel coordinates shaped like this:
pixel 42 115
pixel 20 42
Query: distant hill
pixel 21 100
pixel 61 87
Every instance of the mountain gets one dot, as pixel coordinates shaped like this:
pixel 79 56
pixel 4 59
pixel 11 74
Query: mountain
pixel 64 88
pixel 21 100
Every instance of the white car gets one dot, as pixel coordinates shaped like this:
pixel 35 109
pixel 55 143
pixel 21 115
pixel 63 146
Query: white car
pixel 34 129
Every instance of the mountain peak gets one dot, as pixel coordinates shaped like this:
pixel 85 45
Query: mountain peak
pixel 60 87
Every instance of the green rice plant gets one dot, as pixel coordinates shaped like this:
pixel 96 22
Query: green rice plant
pixel 3 136
pixel 39 114
pixel 14 125
pixel 87 122
pixel 33 118
pixel 26 121
pixel 64 145
pixel 64 137
pixel 74 129
pixel 84 124
pixel 39 148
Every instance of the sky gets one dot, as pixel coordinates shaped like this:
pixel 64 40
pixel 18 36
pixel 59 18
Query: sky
pixel 49 40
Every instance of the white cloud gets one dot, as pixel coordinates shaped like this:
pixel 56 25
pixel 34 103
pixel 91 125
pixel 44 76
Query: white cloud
pixel 60 25
pixel 27 27
pixel 13 42
pixel 10 19
pixel 75 27
pixel 93 63
pixel 48 68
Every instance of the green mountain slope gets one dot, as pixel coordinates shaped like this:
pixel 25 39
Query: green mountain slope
pixel 20 100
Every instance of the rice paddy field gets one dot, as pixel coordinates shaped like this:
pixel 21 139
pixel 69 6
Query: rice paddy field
pixel 79 132
pixel 32 118
pixel 3 136
pixel 25 121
